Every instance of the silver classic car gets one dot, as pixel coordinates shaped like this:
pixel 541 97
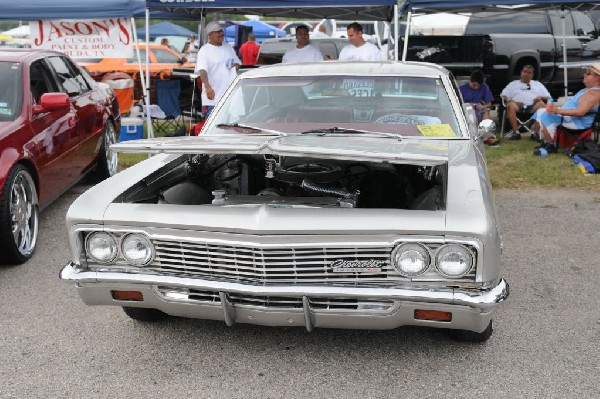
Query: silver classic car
pixel 335 195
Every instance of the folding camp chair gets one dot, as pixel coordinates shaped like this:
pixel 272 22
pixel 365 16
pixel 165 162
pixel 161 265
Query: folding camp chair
pixel 568 138
pixel 524 120
pixel 167 98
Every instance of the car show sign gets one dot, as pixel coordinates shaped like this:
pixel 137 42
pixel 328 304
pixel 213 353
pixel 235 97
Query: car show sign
pixel 86 38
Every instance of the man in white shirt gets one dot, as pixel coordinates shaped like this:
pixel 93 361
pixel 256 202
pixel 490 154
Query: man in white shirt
pixel 524 95
pixel 217 66
pixel 304 51
pixel 359 49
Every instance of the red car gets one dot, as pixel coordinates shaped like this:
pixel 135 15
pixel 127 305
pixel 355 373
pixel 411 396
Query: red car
pixel 56 124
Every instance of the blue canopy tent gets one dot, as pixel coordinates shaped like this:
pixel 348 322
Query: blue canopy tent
pixel 165 29
pixel 433 6
pixel 31 10
pixel 380 10
pixel 260 29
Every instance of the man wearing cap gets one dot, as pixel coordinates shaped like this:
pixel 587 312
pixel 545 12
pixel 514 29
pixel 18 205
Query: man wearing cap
pixel 217 66
pixel 304 51
pixel 578 112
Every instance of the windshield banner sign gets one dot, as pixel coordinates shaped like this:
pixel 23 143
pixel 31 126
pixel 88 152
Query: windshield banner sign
pixel 86 38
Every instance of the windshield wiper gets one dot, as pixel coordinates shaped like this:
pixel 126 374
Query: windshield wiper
pixel 341 130
pixel 238 127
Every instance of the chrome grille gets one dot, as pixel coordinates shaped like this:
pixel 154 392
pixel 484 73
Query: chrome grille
pixel 293 263
pixel 268 265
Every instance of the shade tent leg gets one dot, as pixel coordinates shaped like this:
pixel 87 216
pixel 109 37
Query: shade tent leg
pixel 139 61
pixel 406 34
pixel 396 30
pixel 148 118
pixel 564 48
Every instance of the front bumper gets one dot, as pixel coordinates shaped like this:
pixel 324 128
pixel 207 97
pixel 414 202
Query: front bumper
pixel 375 307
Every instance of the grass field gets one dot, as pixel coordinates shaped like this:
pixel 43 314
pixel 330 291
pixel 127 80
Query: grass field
pixel 513 165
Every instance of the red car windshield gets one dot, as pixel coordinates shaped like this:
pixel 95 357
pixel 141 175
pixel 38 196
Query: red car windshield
pixel 11 92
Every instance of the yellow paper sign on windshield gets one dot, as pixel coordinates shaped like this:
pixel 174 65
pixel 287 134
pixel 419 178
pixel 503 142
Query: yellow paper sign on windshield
pixel 438 130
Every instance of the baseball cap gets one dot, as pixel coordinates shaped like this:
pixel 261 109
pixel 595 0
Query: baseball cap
pixel 213 27
pixel 593 67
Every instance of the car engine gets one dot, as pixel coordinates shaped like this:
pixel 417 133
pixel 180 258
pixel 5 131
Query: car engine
pixel 291 182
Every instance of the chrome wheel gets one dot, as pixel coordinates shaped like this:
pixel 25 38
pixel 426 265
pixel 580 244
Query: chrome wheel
pixel 19 216
pixel 24 213
pixel 107 163
pixel 111 157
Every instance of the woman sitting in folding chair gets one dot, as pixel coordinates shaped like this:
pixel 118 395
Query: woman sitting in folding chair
pixel 579 112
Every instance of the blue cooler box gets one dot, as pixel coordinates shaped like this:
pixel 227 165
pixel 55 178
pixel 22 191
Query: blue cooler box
pixel 131 129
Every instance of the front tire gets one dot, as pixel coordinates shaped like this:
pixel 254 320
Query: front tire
pixel 19 217
pixel 108 161
pixel 144 314
pixel 471 336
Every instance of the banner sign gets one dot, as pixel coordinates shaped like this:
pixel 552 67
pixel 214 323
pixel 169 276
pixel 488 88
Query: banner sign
pixel 85 38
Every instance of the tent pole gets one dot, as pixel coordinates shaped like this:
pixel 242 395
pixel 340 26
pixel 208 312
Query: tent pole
pixel 408 20
pixel 396 30
pixel 139 61
pixel 564 48
pixel 148 118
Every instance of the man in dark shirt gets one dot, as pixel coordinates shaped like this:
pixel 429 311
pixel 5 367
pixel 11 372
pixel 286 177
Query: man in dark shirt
pixel 249 51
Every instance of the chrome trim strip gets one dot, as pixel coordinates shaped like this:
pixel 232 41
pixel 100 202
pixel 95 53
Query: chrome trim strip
pixel 483 300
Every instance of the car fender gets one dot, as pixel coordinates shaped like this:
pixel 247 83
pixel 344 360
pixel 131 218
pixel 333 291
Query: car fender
pixel 8 158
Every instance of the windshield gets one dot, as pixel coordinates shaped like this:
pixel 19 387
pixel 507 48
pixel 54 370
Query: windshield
pixel 407 106
pixel 10 90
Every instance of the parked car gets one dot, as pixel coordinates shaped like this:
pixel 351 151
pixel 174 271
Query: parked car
pixel 56 124
pixel 333 194
pixel 162 62
pixel 502 43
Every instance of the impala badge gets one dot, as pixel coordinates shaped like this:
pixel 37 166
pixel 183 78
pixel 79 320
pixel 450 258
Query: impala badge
pixel 357 266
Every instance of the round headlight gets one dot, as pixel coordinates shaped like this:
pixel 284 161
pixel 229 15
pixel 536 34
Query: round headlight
pixel 454 260
pixel 411 259
pixel 101 247
pixel 137 249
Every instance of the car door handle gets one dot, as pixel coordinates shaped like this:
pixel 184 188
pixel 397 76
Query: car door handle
pixel 72 122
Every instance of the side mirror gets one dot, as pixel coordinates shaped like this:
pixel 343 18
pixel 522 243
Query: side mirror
pixel 52 102
pixel 486 126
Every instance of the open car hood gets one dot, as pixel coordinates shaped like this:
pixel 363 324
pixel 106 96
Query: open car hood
pixel 353 147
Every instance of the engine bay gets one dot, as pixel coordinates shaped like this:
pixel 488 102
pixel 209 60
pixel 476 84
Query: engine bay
pixel 291 182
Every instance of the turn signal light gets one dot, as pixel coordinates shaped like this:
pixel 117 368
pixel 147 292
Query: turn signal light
pixel 127 296
pixel 434 315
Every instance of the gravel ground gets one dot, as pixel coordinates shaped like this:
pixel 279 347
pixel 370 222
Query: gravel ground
pixel 545 344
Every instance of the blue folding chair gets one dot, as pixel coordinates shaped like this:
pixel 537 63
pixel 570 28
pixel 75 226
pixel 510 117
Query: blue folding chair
pixel 167 98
